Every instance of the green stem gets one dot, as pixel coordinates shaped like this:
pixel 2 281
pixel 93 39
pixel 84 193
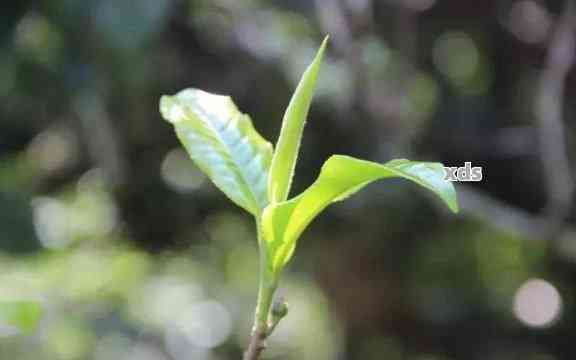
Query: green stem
pixel 266 287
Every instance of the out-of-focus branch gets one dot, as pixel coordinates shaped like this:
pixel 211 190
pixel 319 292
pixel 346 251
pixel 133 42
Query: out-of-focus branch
pixel 549 114
pixel 333 19
pixel 351 25
pixel 103 145
pixel 550 131
pixel 406 31
pixel 503 216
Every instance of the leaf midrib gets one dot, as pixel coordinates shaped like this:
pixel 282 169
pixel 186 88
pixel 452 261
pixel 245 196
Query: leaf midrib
pixel 212 125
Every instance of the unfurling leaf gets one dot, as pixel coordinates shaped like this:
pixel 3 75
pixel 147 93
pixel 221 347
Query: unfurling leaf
pixel 286 154
pixel 223 143
pixel 341 176
pixel 22 316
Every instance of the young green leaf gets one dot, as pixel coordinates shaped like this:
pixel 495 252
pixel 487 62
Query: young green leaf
pixel 22 316
pixel 223 143
pixel 284 160
pixel 341 176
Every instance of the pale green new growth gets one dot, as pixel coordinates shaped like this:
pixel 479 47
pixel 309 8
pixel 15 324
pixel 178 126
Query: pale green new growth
pixel 22 316
pixel 286 154
pixel 340 177
pixel 223 143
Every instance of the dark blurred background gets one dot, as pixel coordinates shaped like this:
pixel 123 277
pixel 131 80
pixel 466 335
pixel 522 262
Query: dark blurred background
pixel 136 255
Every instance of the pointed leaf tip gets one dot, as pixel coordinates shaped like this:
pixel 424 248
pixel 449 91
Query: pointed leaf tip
pixel 324 43
pixel 286 154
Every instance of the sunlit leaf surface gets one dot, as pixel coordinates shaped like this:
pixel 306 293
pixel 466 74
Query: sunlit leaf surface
pixel 340 177
pixel 223 143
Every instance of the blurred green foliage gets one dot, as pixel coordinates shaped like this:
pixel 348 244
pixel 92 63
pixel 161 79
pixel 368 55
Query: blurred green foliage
pixel 133 254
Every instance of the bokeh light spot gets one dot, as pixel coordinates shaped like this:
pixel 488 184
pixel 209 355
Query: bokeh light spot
pixel 207 324
pixel 537 303
pixel 457 56
pixel 180 174
pixel 529 21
